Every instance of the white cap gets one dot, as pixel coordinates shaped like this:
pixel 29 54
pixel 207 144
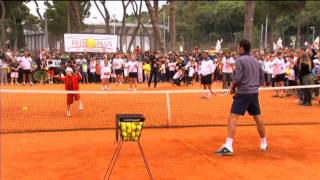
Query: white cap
pixel 316 61
pixel 69 69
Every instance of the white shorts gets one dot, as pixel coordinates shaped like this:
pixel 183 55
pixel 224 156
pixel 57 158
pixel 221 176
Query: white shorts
pixel 14 74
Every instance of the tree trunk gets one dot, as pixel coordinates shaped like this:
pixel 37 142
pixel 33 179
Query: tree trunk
pixel 75 19
pixel 3 35
pixel 172 24
pixel 123 23
pixel 106 17
pixel 137 14
pixel 154 16
pixel 298 36
pixel 248 20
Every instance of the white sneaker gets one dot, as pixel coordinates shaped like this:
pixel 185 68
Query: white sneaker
pixel 68 114
pixel 129 89
pixel 134 89
pixel 103 88
pixel 80 107
pixel 263 146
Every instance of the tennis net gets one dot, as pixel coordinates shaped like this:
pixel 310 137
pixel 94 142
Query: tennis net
pixel 45 110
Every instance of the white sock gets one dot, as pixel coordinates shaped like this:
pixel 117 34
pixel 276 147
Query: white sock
pixel 264 140
pixel 228 144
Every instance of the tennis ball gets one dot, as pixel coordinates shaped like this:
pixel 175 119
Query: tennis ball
pixel 133 127
pixel 123 126
pixel 125 138
pixel 24 108
pixel 128 124
pixel 141 123
pixel 136 138
pixel 129 130
pixel 139 127
pixel 91 43
pixel 133 134
pixel 124 134
pixel 138 133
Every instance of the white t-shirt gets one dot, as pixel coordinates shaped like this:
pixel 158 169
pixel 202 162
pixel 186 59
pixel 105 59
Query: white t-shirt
pixel 126 68
pixel 162 69
pixel 106 71
pixel 268 67
pixel 227 64
pixel 191 71
pixel 117 63
pixel 133 66
pixel 207 67
pixel 172 66
pixel 278 66
pixel 25 62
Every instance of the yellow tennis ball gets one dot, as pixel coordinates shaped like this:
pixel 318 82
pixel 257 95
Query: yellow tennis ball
pixel 141 123
pixel 138 133
pixel 124 134
pixel 136 138
pixel 129 130
pixel 139 127
pixel 133 134
pixel 128 125
pixel 133 127
pixel 24 108
pixel 91 43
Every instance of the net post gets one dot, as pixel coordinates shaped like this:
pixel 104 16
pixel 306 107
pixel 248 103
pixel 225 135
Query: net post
pixel 168 108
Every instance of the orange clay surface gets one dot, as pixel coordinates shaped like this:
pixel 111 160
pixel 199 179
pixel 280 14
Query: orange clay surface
pixel 177 153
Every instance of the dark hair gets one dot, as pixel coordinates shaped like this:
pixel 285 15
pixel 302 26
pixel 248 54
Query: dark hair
pixel 245 44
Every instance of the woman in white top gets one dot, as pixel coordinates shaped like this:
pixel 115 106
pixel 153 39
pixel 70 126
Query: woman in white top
pixel 105 75
pixel 268 70
pixel 227 69
pixel 126 70
pixel 207 74
pixel 133 73
pixel 279 68
pixel 162 71
pixel 140 71
pixel 25 63
pixel 92 70
pixel 172 69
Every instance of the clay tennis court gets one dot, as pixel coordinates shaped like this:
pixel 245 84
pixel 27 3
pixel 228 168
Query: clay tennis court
pixel 172 153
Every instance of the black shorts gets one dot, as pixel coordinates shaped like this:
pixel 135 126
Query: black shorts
pixel 118 71
pixel 133 74
pixel 292 83
pixel 246 102
pixel 206 79
pixel 26 71
pixel 280 77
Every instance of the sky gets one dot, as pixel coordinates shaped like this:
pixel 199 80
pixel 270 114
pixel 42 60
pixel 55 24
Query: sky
pixel 114 8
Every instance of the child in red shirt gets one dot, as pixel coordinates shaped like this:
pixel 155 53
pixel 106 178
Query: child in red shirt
pixel 71 84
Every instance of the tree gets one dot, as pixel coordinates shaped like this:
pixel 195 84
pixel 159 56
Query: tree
pixel 124 6
pixel 154 16
pixel 78 11
pixel 2 25
pixel 137 14
pixel 172 25
pixel 248 20
pixel 106 15
pixel 58 11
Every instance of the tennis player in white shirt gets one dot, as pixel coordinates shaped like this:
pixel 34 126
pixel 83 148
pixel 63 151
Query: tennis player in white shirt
pixel 207 74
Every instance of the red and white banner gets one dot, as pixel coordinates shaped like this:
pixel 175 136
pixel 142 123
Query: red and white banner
pixel 90 43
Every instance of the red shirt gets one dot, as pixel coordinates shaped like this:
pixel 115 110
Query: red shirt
pixel 71 83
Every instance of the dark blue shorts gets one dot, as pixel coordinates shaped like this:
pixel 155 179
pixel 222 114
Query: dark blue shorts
pixel 246 102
